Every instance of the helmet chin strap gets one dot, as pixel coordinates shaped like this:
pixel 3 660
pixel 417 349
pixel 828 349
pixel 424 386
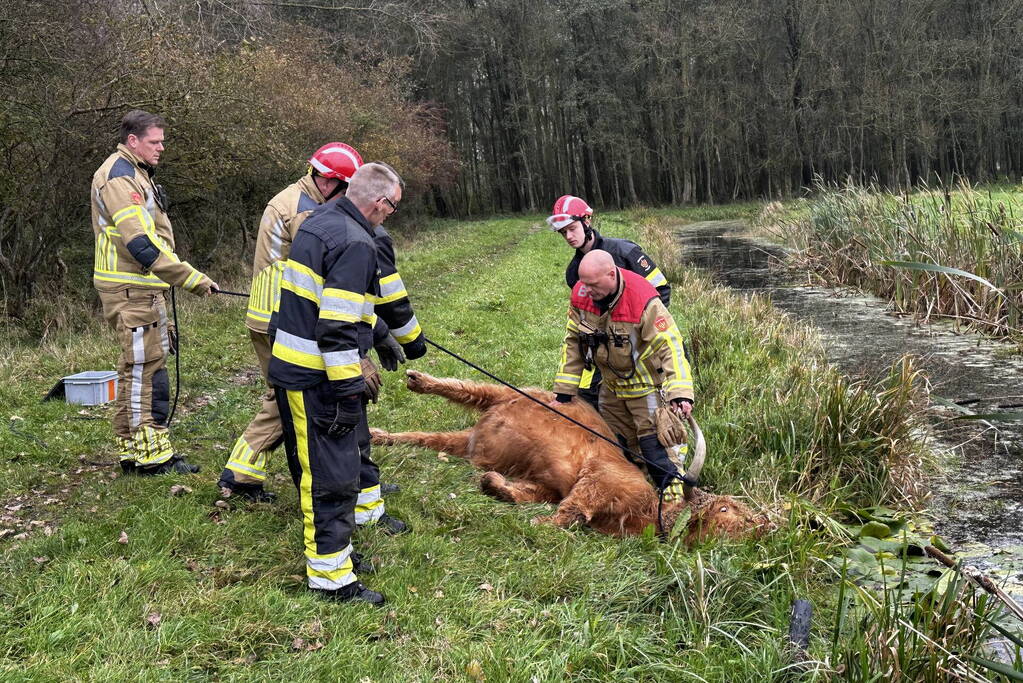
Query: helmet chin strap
pixel 587 232
pixel 340 187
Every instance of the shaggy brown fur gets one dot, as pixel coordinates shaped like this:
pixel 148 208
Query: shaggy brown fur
pixel 530 455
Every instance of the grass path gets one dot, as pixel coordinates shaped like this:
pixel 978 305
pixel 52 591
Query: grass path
pixel 118 579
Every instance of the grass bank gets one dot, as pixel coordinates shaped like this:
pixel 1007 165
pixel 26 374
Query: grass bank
pixel 852 236
pixel 113 578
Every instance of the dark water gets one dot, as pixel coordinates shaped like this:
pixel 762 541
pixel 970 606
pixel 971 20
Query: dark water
pixel 979 499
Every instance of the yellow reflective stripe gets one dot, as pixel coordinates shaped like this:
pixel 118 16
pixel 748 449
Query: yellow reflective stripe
pixel 300 291
pixel 336 315
pixel 299 358
pixel 656 278
pixel 305 484
pixel 677 384
pixel 335 372
pixel 410 336
pixel 306 271
pixel 564 378
pixel 192 279
pixel 130 278
pixel 587 379
pixel 630 391
pixel 261 316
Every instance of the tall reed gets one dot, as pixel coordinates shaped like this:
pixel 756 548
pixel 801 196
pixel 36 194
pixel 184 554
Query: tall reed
pixel 850 235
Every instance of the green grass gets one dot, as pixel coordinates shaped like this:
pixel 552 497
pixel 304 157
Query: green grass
pixel 476 591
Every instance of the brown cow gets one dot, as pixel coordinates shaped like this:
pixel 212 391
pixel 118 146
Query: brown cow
pixel 531 455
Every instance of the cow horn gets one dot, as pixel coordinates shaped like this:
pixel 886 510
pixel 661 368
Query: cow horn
pixel 699 454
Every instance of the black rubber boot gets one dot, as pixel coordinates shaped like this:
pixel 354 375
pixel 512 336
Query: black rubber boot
pixel 176 465
pixel 253 492
pixel 387 489
pixel 353 592
pixel 128 466
pixel 392 525
pixel 361 564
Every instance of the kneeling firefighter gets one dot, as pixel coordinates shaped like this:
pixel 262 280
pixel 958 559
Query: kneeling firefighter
pixel 618 323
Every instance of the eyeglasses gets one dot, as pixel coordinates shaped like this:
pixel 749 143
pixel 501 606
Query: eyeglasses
pixel 394 207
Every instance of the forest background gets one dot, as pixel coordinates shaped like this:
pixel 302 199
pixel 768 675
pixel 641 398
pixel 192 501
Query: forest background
pixel 485 106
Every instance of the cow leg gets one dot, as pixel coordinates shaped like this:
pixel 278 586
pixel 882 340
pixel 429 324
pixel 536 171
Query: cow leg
pixel 497 486
pixel 472 394
pixel 455 443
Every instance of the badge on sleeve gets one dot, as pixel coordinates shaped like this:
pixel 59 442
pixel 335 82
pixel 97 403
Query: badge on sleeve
pixel 136 197
pixel 643 263
pixel 661 324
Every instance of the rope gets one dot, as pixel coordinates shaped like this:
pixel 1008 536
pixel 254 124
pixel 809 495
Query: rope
pixel 660 493
pixel 177 357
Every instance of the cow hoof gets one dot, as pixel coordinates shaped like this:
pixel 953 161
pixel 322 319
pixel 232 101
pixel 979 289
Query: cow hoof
pixel 496 486
pixel 416 381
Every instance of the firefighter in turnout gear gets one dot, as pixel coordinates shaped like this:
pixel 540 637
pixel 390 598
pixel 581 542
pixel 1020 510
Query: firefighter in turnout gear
pixel 571 217
pixel 617 322
pixel 330 169
pixel 134 266
pixel 322 329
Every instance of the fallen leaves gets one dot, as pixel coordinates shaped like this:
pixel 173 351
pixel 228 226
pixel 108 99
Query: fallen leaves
pixel 153 619
pixel 123 538
pixel 179 490
pixel 485 587
pixel 299 644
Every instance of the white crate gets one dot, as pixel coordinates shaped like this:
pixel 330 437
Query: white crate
pixel 91 388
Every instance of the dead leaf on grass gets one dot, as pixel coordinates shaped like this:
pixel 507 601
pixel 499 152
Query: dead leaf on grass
pixel 179 490
pixel 40 560
pixel 153 619
pixel 486 587
pixel 123 538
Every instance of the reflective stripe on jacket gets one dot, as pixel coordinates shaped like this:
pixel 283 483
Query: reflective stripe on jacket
pixel 627 255
pixel 324 322
pixel 281 219
pixel 134 239
pixel 393 307
pixel 643 352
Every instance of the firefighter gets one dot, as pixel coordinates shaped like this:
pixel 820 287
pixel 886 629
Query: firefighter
pixel 322 329
pixel 617 322
pixel 571 218
pixel 134 266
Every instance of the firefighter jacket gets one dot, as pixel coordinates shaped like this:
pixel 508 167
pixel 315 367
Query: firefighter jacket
pixel 134 240
pixel 627 255
pixel 635 343
pixel 393 308
pixel 281 219
pixel 324 322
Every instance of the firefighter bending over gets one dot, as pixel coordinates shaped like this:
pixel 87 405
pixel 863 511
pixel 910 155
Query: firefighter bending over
pixel 617 323
pixel 322 330
pixel 571 218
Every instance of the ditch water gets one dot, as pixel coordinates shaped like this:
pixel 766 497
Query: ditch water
pixel 977 504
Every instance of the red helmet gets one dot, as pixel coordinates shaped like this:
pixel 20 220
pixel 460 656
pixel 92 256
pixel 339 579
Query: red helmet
pixel 567 210
pixel 336 160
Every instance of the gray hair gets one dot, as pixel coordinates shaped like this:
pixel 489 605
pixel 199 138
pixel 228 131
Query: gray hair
pixel 371 182
pixel 137 122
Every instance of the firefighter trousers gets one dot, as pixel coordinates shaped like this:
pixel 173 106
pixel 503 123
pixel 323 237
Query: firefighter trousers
pixel 247 462
pixel 633 421
pixel 139 318
pixel 326 473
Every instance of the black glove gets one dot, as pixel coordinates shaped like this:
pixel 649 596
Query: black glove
pixel 563 398
pixel 390 354
pixel 172 339
pixel 347 413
